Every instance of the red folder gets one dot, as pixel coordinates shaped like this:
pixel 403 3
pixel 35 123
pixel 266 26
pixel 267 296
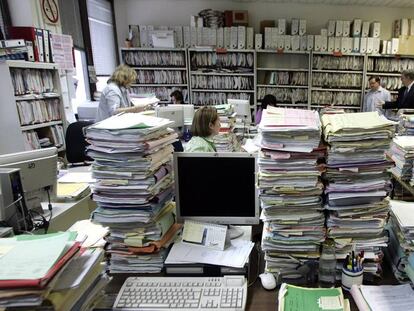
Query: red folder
pixel 42 282
pixel 29 34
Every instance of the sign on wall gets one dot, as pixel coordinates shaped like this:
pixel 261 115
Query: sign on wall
pixel 50 11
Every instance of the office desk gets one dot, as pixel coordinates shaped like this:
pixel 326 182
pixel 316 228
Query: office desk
pixel 65 214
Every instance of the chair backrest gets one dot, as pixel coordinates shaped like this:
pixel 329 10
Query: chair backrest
pixel 76 143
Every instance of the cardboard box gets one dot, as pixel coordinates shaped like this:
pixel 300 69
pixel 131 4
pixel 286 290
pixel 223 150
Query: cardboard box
pixel 406 45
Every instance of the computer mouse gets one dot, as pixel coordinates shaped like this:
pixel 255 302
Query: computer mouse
pixel 268 281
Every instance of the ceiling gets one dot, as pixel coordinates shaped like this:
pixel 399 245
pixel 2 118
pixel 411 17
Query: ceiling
pixel 382 3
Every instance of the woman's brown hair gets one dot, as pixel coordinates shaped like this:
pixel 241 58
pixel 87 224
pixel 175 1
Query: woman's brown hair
pixel 203 117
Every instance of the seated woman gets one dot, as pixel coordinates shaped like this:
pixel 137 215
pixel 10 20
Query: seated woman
pixel 266 101
pixel 206 124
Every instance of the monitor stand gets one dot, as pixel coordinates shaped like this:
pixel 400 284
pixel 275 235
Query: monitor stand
pixel 234 232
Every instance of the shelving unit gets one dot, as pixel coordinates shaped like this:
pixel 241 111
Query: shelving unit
pixel 37 103
pixel 230 73
pixel 284 75
pixel 337 79
pixel 388 68
pixel 160 71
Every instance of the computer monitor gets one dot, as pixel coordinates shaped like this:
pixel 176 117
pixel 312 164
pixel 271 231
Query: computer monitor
pixel 180 114
pixel 241 107
pixel 217 187
pixel 38 171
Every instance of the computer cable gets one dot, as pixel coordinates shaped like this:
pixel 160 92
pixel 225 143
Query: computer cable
pixel 259 252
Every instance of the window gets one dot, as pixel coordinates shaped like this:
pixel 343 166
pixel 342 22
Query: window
pixel 80 79
pixel 102 32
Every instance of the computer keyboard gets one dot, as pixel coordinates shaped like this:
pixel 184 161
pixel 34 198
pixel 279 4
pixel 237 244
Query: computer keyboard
pixel 183 293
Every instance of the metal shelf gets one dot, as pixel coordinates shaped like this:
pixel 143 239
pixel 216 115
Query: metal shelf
pixel 336 90
pixel 284 86
pixel 282 69
pixel 158 68
pixel 336 71
pixel 220 50
pixel 154 49
pixel 32 65
pixel 34 97
pixel 222 91
pixel 158 84
pixel 221 73
pixel 40 125
pixel 281 52
pixel 386 74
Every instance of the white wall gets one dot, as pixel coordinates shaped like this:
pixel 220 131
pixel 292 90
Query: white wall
pixel 28 13
pixel 177 12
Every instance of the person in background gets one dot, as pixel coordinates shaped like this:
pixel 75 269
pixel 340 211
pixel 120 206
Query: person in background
pixel 375 94
pixel 266 101
pixel 206 124
pixel 405 97
pixel 177 97
pixel 114 98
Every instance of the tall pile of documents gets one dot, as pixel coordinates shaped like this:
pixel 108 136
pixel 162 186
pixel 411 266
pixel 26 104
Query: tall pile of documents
pixel 132 165
pixel 48 272
pixel 358 184
pixel 226 140
pixel 290 189
pixel 406 122
pixel 401 247
pixel 402 153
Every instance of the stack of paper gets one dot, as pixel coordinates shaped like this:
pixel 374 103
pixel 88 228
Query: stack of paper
pixel 133 188
pixel 301 298
pixel 290 189
pixel 383 297
pixel 48 271
pixel 358 184
pixel 402 153
pixel 226 140
pixel 401 248
pixel 406 121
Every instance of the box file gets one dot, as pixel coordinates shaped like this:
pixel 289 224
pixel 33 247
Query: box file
pixel 310 42
pixel 331 28
pixel 344 45
pixel 233 37
pixel 302 27
pixel 337 47
pixel 339 25
pixel 294 29
pixel 268 37
pixel 220 37
pixel 356 28
pixel 331 44
pixel 346 28
pixel 324 43
pixel 370 45
pixel 241 37
pixel 193 36
pixel 303 43
pixel 46 45
pixel 258 41
pixel 295 43
pixel 281 25
pixel 317 44
pixel 375 29
pixel 288 43
pixel 39 39
pixel 249 38
pixel 28 34
pixel 356 42
pixel 365 29
pixel 376 46
pixel 227 37
pixel 274 38
pixel 363 45
pixel 186 37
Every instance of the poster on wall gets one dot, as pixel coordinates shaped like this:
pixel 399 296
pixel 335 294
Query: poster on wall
pixel 50 11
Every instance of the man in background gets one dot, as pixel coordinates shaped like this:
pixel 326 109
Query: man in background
pixel 405 97
pixel 376 94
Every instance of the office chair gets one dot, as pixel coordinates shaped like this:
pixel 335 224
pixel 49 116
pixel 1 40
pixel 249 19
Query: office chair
pixel 76 143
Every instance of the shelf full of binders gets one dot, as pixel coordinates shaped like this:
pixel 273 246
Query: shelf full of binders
pixel 38 103
pixel 160 71
pixel 337 80
pixel 219 74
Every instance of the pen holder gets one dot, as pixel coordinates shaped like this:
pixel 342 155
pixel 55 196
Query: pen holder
pixel 350 278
